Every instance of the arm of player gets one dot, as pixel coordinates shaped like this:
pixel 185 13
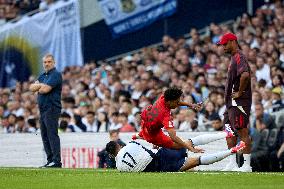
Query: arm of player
pixel 244 80
pixel 180 142
pixel 197 106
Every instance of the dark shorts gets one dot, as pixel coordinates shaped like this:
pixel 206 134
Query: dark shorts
pixel 167 160
pixel 236 118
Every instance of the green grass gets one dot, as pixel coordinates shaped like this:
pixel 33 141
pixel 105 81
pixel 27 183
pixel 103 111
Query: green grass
pixel 16 178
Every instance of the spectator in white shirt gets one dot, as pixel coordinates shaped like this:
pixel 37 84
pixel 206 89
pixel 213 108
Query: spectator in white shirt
pixel 263 71
pixel 114 122
pixel 90 122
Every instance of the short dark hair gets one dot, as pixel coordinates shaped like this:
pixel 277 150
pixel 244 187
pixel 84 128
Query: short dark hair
pixel 172 93
pixel 111 147
pixel 20 118
pixel 115 114
pixel 111 132
pixel 91 112
pixel 65 115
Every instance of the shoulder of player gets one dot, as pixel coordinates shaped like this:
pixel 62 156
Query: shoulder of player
pixel 239 57
pixel 120 153
pixel 56 73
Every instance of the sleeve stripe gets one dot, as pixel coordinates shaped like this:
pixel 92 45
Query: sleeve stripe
pixel 238 59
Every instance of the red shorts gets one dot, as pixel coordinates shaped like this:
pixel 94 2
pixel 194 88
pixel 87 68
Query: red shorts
pixel 236 118
pixel 159 139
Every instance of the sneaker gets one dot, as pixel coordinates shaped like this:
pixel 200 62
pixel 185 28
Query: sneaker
pixel 229 131
pixel 43 166
pixel 54 165
pixel 244 168
pixel 230 167
pixel 239 147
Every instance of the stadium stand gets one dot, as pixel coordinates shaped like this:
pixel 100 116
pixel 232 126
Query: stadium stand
pixel 12 10
pixel 125 85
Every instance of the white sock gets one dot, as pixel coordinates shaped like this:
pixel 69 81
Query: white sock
pixel 233 160
pixel 207 138
pixel 212 158
pixel 246 159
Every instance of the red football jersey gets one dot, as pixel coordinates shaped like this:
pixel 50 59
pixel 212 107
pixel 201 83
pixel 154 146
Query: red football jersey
pixel 157 116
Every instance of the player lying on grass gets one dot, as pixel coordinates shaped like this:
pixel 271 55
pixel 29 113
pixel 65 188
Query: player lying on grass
pixel 134 157
pixel 158 116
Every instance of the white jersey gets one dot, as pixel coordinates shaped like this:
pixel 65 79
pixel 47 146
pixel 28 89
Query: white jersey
pixel 133 157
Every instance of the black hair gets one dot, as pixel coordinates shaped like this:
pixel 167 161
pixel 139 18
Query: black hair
pixel 172 93
pixel 111 147
pixel 115 114
pixel 91 112
pixel 32 122
pixel 280 78
pixel 65 115
pixel 70 100
pixel 20 118
pixel 63 125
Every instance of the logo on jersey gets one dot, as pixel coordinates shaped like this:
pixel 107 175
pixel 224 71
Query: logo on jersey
pixel 171 125
pixel 152 113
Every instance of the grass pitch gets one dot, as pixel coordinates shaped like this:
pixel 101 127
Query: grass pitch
pixel 26 178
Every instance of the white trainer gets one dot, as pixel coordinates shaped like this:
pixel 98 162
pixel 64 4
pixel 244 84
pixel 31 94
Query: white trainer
pixel 230 167
pixel 244 168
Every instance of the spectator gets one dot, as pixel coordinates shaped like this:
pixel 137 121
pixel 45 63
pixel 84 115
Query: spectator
pixel 259 150
pixel 263 71
pixel 126 127
pixel 63 127
pixel 277 153
pixel 71 127
pixel 185 119
pixel 262 119
pixel 204 120
pixel 32 125
pixel 20 125
pixel 277 103
pixel 90 122
pixel 114 122
pixel 217 124
pixel 103 122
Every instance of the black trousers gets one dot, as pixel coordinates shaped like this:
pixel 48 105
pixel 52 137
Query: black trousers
pixel 49 133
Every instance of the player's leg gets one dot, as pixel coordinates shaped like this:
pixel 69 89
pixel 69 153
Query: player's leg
pixel 231 141
pixel 211 158
pixel 207 138
pixel 243 132
pixel 171 160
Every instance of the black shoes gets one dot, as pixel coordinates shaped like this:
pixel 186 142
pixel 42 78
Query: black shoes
pixel 52 165
pixel 44 166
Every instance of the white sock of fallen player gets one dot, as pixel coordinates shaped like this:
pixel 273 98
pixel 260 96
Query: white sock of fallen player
pixel 207 138
pixel 212 158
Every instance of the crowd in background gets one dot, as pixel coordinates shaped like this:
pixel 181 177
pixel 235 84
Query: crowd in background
pixel 11 9
pixel 111 95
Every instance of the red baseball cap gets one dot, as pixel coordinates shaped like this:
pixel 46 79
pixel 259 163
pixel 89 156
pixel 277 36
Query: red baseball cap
pixel 227 37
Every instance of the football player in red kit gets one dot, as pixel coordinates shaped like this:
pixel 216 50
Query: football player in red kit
pixel 158 116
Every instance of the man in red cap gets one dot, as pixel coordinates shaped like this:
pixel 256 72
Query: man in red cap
pixel 237 99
